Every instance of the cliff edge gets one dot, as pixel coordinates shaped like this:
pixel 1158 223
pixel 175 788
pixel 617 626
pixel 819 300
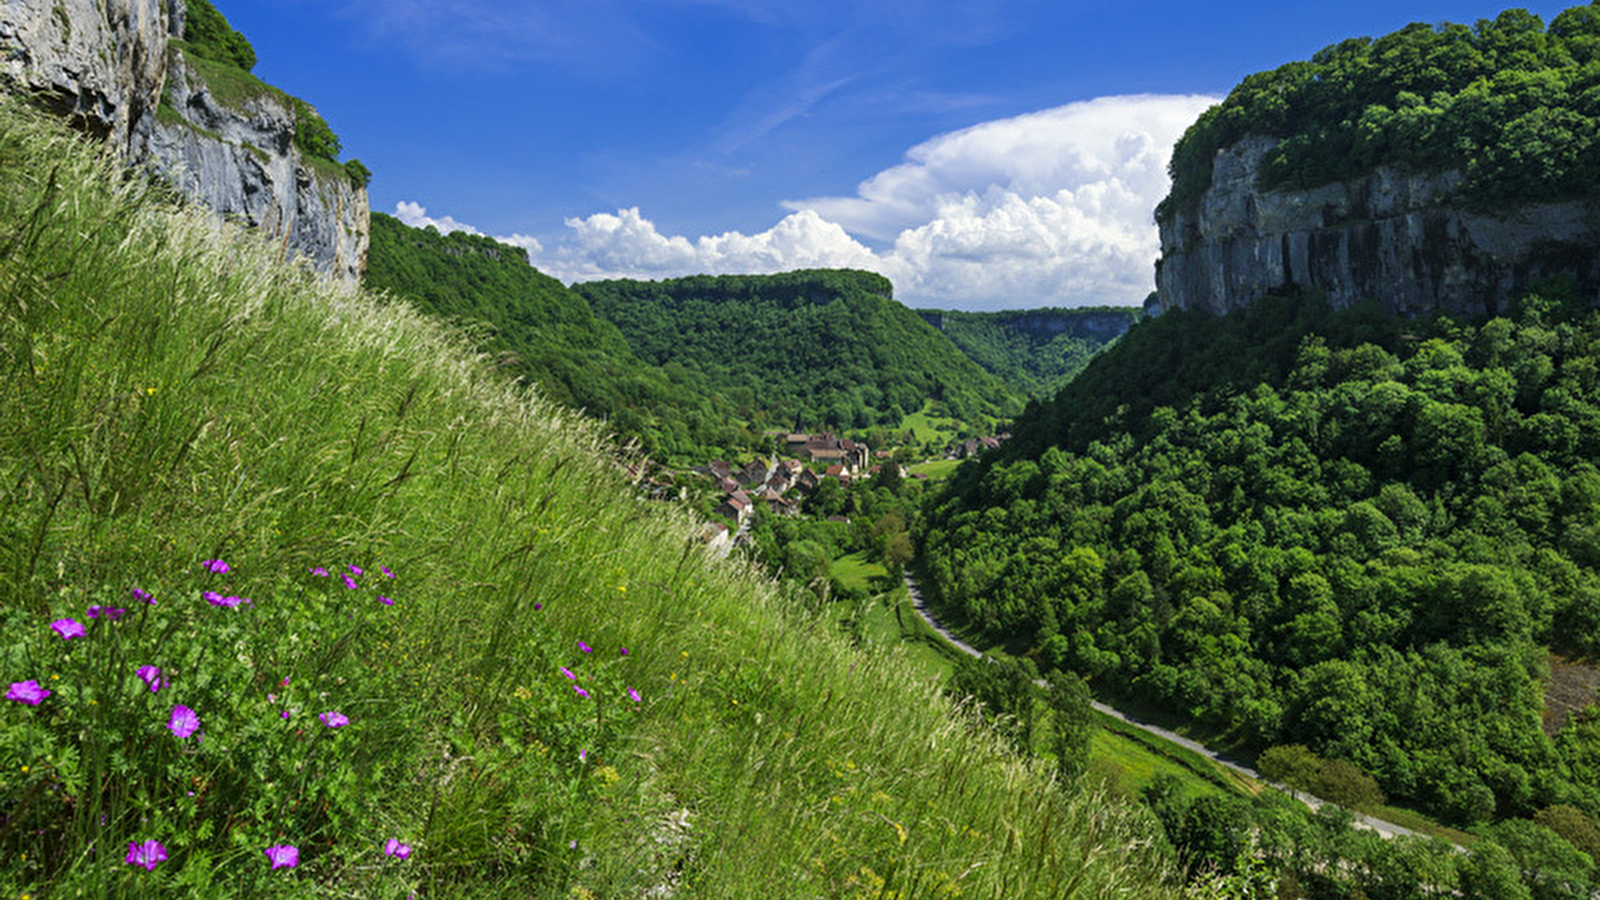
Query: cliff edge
pixel 1406 241
pixel 118 70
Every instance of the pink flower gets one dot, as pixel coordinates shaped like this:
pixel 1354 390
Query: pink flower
pixel 68 629
pixel 319 571
pixel 152 677
pixel 396 849
pixel 184 721
pixel 146 854
pixel 215 566
pixel 391 575
pixel 581 691
pixel 568 672
pixel 585 647
pixel 634 694
pixel 106 612
pixel 624 651
pixel 354 570
pixel 333 719
pixel 350 582
pixel 283 856
pixel 216 599
pixel 28 692
pixel 385 601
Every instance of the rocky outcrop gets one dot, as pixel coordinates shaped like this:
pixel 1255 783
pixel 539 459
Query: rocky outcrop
pixel 1403 240
pixel 110 66
pixel 1102 325
pixel 237 156
pixel 98 62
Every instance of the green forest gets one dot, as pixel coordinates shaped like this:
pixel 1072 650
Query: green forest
pixel 1367 545
pixel 808 349
pixel 546 334
pixel 1033 351
pixel 1510 104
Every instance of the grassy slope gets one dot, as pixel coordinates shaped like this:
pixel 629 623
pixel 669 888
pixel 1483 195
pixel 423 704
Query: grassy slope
pixel 173 394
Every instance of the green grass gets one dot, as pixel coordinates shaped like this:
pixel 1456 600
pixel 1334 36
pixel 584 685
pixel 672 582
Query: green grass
pixel 855 571
pixel 928 428
pixel 935 470
pixel 174 394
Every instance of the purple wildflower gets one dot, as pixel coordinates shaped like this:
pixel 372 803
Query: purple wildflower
pixel 385 601
pixel 216 566
pixel 28 692
pixel 396 849
pixel 152 677
pixel 350 583
pixel 538 606
pixel 146 854
pixel 568 672
pixel 283 856
pixel 319 571
pixel 624 651
pixel 583 755
pixel 634 694
pixel 356 570
pixel 585 647
pixel 184 721
pixel 581 691
pixel 333 719
pixel 284 715
pixel 111 613
pixel 144 595
pixel 68 629
pixel 386 571
pixel 216 599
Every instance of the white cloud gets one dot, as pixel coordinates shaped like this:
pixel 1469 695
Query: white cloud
pixel 416 215
pixel 1047 209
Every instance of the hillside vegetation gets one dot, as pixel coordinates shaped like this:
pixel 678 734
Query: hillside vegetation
pixel 1510 104
pixel 824 349
pixel 1034 351
pixel 546 334
pixel 1366 545
pixel 299 596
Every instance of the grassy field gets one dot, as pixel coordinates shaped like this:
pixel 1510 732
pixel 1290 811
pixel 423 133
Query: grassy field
pixel 856 572
pixel 935 470
pixel 289 573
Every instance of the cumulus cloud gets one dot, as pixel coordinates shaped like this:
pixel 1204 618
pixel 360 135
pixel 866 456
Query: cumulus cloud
pixel 1047 209
pixel 416 215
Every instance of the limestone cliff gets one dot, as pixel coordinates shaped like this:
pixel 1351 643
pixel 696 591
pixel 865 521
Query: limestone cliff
pixel 1402 240
pixel 114 68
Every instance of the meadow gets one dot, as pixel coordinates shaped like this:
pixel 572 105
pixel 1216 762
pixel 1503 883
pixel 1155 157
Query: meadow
pixel 301 597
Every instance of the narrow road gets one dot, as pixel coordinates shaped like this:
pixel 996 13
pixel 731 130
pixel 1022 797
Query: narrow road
pixel 1362 820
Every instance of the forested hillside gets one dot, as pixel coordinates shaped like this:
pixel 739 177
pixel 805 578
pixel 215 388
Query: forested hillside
pixel 826 348
pixel 1367 546
pixel 548 335
pixel 1034 351
pixel 1511 104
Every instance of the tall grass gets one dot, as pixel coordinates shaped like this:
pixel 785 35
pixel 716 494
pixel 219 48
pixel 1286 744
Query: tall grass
pixel 174 394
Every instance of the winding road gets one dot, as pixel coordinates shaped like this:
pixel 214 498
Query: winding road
pixel 1362 820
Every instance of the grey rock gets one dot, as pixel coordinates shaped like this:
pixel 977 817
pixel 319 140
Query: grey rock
pixel 106 65
pixel 1403 240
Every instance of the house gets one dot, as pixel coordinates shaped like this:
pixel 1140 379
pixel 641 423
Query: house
pixel 753 474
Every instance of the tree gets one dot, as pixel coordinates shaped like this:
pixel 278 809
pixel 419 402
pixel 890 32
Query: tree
pixel 1004 689
pixel 1071 706
pixel 1290 764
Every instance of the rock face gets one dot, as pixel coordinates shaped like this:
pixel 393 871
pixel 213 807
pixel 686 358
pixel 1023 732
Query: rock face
pixel 110 66
pixel 1090 325
pixel 1402 240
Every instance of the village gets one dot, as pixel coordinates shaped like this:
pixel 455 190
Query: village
pixel 805 463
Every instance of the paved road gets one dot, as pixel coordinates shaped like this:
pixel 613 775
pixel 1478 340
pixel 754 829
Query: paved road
pixel 1362 820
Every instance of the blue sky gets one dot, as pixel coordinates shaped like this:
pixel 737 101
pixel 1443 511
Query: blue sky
pixel 986 154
